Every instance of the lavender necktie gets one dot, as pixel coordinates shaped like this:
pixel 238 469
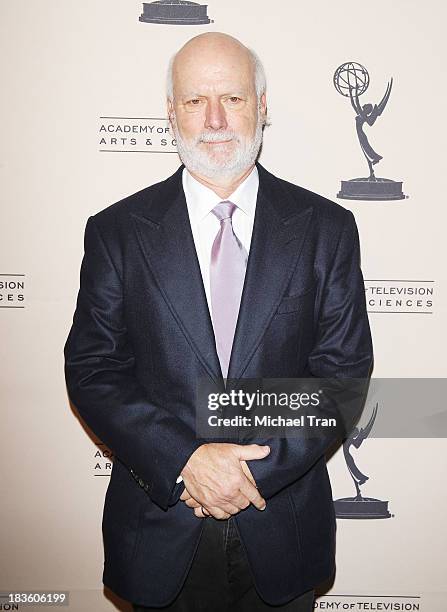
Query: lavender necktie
pixel 227 273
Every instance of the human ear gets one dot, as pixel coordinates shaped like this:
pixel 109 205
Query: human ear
pixel 170 109
pixel 263 107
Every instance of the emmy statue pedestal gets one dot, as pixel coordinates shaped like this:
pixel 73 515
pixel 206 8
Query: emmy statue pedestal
pixel 175 12
pixel 367 189
pixel 361 508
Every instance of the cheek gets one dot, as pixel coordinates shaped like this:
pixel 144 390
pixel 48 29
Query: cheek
pixel 244 124
pixel 190 124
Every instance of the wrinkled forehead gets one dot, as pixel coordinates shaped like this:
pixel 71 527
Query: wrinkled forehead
pixel 213 70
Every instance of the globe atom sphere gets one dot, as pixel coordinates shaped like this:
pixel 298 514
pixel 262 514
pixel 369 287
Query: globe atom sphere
pixel 351 75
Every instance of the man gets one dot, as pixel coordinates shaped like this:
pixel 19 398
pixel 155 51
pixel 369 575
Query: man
pixel 222 271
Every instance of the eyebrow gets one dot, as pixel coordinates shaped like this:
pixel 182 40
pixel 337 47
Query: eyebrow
pixel 194 94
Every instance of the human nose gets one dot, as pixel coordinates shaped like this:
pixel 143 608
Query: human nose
pixel 215 118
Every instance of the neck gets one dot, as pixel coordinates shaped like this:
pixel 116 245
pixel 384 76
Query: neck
pixel 223 187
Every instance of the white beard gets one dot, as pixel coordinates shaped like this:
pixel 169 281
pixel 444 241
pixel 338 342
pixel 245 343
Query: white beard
pixel 223 164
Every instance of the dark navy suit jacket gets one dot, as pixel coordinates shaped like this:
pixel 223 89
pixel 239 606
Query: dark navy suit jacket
pixel 141 338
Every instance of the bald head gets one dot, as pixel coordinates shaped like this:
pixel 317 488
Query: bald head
pixel 211 52
pixel 220 42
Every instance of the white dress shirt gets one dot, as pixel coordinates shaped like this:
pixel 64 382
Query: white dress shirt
pixel 200 201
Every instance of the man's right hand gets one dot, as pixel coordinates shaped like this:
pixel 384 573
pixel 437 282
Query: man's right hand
pixel 214 477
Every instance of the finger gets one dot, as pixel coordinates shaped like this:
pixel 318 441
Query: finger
pixel 229 508
pixel 198 512
pixel 185 495
pixel 192 503
pixel 218 513
pixel 252 493
pixel 248 473
pixel 239 501
pixel 250 451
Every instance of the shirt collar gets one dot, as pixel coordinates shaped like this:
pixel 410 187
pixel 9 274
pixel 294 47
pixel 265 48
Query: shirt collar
pixel 201 200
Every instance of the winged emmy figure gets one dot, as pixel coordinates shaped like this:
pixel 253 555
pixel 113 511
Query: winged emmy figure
pixel 368 113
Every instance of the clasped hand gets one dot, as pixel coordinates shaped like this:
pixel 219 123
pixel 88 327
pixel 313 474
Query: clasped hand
pixel 218 479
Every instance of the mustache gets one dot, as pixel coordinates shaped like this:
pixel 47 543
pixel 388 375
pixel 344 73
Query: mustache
pixel 216 136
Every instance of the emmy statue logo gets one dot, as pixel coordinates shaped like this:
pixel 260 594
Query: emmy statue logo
pixel 359 507
pixel 352 80
pixel 175 12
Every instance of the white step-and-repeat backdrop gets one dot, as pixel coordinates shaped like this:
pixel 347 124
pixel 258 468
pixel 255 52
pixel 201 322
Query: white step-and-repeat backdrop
pixel 84 124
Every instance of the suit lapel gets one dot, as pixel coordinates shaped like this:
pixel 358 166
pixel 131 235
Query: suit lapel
pixel 278 234
pixel 164 232
pixel 165 235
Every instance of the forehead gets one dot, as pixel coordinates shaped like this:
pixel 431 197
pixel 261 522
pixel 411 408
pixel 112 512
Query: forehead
pixel 213 70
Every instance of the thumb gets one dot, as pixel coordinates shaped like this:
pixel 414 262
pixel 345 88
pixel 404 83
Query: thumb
pixel 251 451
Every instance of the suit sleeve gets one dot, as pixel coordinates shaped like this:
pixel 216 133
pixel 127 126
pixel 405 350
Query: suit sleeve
pixel 342 349
pixel 100 375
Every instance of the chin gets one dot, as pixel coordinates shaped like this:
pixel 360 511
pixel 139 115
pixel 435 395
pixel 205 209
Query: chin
pixel 223 170
pixel 220 160
pixel 221 163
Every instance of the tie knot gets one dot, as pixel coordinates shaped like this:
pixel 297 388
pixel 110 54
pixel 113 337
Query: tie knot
pixel 224 210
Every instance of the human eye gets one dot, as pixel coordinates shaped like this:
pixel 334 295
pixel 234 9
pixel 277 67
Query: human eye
pixel 193 102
